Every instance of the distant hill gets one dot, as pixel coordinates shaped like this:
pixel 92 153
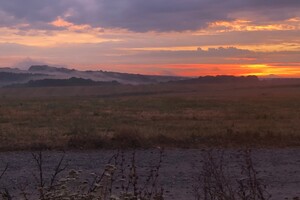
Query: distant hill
pixel 11 77
pixel 46 68
pixel 7 78
pixel 39 72
pixel 221 79
pixel 64 83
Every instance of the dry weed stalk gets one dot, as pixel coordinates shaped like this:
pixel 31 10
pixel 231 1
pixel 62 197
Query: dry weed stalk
pixel 4 193
pixel 251 187
pixel 119 180
pixel 214 184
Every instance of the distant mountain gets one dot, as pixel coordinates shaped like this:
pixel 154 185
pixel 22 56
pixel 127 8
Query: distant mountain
pixel 39 72
pixel 64 82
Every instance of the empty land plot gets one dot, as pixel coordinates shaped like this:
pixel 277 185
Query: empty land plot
pixel 171 115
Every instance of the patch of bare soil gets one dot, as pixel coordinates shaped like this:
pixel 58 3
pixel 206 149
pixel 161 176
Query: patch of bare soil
pixel 278 168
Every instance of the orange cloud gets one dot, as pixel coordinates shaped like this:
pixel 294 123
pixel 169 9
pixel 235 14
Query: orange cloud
pixel 59 22
pixel 286 46
pixel 247 25
pixel 41 38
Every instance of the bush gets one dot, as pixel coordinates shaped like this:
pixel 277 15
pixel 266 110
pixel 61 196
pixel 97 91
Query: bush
pixel 119 180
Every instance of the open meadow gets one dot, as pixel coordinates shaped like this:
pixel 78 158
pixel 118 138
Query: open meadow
pixel 167 115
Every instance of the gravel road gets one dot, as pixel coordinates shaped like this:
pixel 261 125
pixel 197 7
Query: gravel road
pixel 279 168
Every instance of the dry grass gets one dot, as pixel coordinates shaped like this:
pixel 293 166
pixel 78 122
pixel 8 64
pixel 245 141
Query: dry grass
pixel 123 179
pixel 119 180
pixel 212 181
pixel 186 116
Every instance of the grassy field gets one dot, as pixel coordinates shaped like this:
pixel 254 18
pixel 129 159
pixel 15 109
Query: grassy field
pixel 170 115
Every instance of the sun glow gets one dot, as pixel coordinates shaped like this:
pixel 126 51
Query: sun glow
pixel 265 70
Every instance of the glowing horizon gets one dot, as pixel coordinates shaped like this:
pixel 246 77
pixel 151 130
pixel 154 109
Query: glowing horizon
pixel 182 38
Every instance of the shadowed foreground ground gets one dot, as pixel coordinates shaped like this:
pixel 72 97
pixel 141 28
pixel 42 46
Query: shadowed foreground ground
pixel 279 168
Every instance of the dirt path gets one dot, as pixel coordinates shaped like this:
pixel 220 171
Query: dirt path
pixel 279 168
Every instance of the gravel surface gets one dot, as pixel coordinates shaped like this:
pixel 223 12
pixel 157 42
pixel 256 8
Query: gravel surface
pixel 279 168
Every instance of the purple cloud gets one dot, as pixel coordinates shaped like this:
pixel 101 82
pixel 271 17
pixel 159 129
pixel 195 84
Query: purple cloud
pixel 142 15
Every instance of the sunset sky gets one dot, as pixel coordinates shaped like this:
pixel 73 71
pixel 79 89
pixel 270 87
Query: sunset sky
pixel 167 37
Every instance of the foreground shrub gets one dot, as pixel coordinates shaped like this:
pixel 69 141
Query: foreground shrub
pixel 119 180
pixel 214 184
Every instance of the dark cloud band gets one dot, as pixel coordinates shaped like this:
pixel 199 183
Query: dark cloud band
pixel 142 15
